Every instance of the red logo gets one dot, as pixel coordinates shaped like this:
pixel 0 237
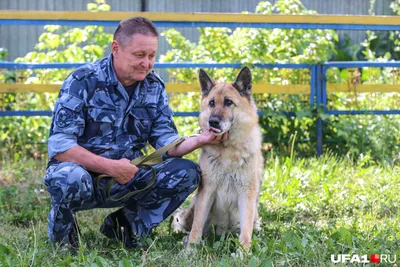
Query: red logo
pixel 374 258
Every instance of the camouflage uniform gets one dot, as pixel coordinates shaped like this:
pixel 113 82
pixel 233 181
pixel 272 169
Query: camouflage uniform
pixel 94 111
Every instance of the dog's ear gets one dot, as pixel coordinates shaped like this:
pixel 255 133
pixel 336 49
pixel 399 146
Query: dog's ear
pixel 205 83
pixel 243 83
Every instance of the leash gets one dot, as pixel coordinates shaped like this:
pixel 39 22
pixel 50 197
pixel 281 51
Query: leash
pixel 144 162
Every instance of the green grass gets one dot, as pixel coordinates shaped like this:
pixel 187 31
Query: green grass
pixel 311 208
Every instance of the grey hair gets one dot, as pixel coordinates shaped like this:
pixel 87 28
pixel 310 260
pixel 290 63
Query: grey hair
pixel 128 27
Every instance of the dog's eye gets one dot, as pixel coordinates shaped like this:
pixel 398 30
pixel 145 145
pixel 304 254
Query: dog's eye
pixel 211 103
pixel 228 102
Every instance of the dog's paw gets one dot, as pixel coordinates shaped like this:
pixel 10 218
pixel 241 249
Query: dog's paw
pixel 238 254
pixel 241 252
pixel 257 224
pixel 190 245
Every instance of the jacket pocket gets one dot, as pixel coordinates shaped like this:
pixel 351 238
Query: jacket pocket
pixel 140 121
pixel 100 123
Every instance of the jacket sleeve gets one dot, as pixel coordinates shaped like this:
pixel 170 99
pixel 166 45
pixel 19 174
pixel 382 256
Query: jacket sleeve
pixel 163 131
pixel 68 121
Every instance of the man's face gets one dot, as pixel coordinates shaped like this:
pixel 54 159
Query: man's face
pixel 134 61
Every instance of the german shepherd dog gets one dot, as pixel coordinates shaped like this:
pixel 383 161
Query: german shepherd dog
pixel 228 195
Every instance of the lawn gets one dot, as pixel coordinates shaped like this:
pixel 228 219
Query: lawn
pixel 310 208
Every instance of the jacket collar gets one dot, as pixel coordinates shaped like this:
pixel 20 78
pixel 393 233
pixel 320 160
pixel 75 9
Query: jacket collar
pixel 110 69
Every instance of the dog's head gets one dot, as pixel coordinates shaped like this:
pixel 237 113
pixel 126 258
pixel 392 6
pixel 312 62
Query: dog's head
pixel 222 103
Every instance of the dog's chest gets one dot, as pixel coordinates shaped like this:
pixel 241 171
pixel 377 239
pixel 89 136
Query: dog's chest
pixel 226 168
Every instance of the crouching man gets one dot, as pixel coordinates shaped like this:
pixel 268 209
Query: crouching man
pixel 105 114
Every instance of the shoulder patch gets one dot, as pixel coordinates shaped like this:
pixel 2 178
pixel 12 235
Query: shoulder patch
pixel 64 118
pixel 81 73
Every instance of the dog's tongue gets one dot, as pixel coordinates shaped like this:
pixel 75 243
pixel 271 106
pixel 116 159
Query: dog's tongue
pixel 215 130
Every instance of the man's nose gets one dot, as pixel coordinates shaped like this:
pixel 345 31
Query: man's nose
pixel 145 62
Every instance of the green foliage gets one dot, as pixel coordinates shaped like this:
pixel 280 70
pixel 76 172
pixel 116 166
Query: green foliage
pixel 383 45
pixel 346 50
pixel 395 6
pixel 250 46
pixel 19 207
pixel 375 136
pixel 372 136
pixel 22 196
pixel 3 53
pixel 56 44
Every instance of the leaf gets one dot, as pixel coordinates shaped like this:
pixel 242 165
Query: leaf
pixel 16 157
pixel 104 7
pixel 4 250
pixel 124 263
pixel 253 262
pixel 343 236
pixel 267 263
pixel 51 28
pixel 327 191
pixel 101 261
pixel 92 7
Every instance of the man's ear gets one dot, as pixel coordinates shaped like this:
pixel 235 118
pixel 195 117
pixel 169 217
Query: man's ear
pixel 243 83
pixel 206 83
pixel 115 47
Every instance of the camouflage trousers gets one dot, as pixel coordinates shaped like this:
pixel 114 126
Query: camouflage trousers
pixel 73 188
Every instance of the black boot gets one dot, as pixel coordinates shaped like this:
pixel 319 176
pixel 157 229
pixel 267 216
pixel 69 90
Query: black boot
pixel 71 240
pixel 116 226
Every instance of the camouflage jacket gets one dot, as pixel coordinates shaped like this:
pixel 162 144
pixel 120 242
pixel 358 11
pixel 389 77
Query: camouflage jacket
pixel 94 110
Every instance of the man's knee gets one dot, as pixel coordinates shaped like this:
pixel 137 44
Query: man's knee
pixel 68 182
pixel 194 171
pixel 189 170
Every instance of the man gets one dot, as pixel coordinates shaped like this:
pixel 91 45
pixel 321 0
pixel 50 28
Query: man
pixel 105 113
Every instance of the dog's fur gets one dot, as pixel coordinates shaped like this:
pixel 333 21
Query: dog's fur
pixel 232 170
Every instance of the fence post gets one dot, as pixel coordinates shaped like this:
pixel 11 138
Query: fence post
pixel 313 84
pixel 319 99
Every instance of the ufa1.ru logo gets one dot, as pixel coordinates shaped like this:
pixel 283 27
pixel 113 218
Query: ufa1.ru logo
pixel 373 258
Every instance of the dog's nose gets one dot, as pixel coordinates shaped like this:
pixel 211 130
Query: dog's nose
pixel 214 122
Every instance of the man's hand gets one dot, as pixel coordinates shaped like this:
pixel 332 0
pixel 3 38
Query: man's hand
pixel 123 171
pixel 210 138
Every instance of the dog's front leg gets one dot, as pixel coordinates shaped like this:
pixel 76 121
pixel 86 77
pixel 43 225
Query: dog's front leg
pixel 247 209
pixel 204 200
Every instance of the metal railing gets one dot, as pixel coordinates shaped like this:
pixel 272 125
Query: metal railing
pixel 170 87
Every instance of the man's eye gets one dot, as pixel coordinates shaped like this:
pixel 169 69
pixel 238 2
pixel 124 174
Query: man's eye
pixel 228 102
pixel 139 55
pixel 211 103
